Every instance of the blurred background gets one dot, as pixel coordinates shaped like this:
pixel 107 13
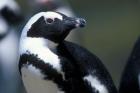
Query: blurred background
pixel 112 28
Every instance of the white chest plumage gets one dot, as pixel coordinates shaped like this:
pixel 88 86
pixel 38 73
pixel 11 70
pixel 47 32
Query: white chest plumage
pixel 32 76
pixel 34 82
pixel 39 47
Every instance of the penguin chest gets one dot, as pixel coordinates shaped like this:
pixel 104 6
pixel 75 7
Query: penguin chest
pixel 41 63
pixel 34 81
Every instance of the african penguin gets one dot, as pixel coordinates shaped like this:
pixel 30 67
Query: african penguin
pixel 49 64
pixel 10 16
pixel 130 80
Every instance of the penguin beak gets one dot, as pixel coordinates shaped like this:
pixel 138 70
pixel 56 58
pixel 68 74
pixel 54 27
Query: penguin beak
pixel 80 22
pixel 72 23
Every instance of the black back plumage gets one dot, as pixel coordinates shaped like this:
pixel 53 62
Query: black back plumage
pixel 85 63
pixel 130 77
pixel 76 63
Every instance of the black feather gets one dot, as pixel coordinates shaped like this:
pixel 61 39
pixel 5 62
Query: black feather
pixel 85 63
pixel 129 80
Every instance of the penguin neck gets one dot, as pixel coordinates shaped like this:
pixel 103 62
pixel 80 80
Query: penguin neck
pixel 30 42
pixel 51 45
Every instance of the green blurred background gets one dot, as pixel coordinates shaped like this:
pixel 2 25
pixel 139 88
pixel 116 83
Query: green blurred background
pixel 112 29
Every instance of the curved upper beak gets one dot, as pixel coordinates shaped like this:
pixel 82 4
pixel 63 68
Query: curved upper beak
pixel 72 23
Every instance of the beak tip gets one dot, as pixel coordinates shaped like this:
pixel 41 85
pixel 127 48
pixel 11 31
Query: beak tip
pixel 81 22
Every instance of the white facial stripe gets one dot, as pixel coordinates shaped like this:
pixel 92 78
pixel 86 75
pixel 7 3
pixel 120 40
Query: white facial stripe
pixel 95 83
pixel 30 23
pixel 53 15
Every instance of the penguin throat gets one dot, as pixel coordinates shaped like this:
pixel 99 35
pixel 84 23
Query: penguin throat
pixel 37 43
pixel 51 45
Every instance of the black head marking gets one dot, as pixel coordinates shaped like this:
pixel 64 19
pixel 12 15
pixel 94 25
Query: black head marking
pixel 53 28
pixel 52 31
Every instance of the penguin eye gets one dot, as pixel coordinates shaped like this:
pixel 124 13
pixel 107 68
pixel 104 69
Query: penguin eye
pixel 49 20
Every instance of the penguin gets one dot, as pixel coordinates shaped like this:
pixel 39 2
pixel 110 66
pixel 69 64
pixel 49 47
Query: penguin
pixel 49 64
pixel 10 17
pixel 130 79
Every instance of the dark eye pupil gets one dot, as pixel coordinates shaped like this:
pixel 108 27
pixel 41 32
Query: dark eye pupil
pixel 49 20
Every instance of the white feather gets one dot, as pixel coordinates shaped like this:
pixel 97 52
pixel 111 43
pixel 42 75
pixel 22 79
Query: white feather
pixel 38 46
pixel 44 49
pixel 95 83
pixel 34 82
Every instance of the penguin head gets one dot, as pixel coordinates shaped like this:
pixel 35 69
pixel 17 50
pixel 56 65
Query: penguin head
pixel 10 11
pixel 53 26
